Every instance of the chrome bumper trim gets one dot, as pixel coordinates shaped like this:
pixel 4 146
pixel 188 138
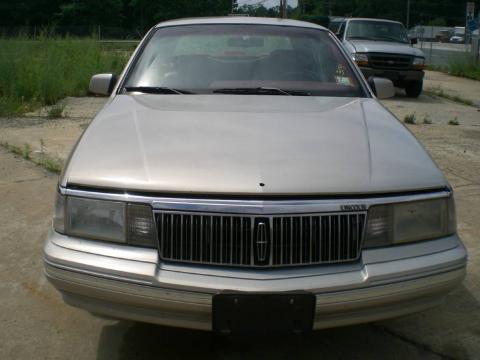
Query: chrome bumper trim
pixel 193 309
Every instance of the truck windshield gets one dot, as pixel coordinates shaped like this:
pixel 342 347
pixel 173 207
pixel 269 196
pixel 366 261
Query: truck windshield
pixel 242 59
pixel 377 31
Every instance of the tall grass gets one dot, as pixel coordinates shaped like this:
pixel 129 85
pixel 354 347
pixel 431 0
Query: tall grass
pixel 463 66
pixel 45 70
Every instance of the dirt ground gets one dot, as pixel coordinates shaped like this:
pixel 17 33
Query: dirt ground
pixel 35 324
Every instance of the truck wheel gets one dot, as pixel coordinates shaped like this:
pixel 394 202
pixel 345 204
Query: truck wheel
pixel 414 89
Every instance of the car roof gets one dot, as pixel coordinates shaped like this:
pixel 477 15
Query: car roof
pixel 240 20
pixel 372 19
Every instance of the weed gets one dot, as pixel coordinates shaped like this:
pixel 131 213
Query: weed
pixel 27 151
pixel 454 122
pixel 12 148
pixel 426 120
pixel 410 119
pixel 50 164
pixel 55 112
pixel 455 98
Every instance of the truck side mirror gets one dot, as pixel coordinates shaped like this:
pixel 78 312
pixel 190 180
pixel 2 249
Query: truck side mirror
pixel 413 41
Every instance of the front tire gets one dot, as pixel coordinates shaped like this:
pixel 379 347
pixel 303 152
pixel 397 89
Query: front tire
pixel 414 88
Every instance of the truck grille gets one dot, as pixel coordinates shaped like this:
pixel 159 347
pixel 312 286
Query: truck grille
pixel 265 241
pixel 390 62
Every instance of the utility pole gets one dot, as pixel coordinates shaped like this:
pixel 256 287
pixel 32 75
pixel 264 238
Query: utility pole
pixel 283 9
pixel 408 14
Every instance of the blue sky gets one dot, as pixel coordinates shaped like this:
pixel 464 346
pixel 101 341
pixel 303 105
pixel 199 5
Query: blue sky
pixel 266 3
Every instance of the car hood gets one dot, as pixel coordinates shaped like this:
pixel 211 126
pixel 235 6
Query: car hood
pixel 231 144
pixel 367 46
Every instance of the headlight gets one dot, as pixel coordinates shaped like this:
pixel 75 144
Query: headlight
pixel 97 219
pixel 360 59
pixel 419 62
pixel 105 220
pixel 409 222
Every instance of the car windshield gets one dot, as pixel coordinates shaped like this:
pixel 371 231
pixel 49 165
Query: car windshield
pixel 242 59
pixel 377 31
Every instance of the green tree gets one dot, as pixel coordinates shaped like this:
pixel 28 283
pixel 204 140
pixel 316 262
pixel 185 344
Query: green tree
pixel 91 12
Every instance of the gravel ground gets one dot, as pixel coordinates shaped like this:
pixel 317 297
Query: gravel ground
pixel 36 324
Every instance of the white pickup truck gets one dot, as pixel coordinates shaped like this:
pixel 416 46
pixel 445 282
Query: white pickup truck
pixel 381 48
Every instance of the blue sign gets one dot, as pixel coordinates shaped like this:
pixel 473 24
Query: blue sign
pixel 472 25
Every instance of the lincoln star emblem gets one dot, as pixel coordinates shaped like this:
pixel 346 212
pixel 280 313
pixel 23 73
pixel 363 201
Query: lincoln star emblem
pixel 261 241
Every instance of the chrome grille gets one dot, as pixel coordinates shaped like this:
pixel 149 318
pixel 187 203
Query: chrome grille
pixel 386 61
pixel 238 240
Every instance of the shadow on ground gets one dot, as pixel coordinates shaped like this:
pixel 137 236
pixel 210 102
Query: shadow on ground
pixel 449 331
pixel 126 340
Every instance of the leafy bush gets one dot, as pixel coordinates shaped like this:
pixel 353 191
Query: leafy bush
pixel 45 70
pixel 410 119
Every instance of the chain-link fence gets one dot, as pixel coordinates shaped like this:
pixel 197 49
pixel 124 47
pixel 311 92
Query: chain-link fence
pixel 444 45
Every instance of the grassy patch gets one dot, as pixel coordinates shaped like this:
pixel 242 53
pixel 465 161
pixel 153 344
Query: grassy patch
pixel 40 72
pixel 455 98
pixel 50 164
pixel 410 119
pixel 463 66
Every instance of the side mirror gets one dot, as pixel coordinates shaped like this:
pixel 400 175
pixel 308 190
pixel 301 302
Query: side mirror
pixel 382 88
pixel 413 41
pixel 102 84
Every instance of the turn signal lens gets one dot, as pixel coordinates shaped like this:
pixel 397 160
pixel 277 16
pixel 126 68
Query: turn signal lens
pixel 140 225
pixel 59 214
pixel 419 63
pixel 360 59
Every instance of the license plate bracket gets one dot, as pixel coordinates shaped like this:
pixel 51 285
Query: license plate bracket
pixel 263 313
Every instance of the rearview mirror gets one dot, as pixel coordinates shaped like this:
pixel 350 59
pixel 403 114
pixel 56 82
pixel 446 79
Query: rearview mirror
pixel 382 88
pixel 102 84
pixel 245 42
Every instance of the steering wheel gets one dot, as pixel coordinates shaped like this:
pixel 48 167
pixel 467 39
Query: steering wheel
pixel 305 75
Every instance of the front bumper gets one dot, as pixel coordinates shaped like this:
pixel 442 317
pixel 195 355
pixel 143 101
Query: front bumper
pixel 132 283
pixel 399 77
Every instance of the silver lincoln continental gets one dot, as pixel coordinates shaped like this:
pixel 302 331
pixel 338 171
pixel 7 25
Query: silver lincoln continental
pixel 243 177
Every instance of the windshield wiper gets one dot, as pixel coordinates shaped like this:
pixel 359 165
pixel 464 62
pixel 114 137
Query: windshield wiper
pixel 360 38
pixel 261 91
pixel 157 90
pixel 390 39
